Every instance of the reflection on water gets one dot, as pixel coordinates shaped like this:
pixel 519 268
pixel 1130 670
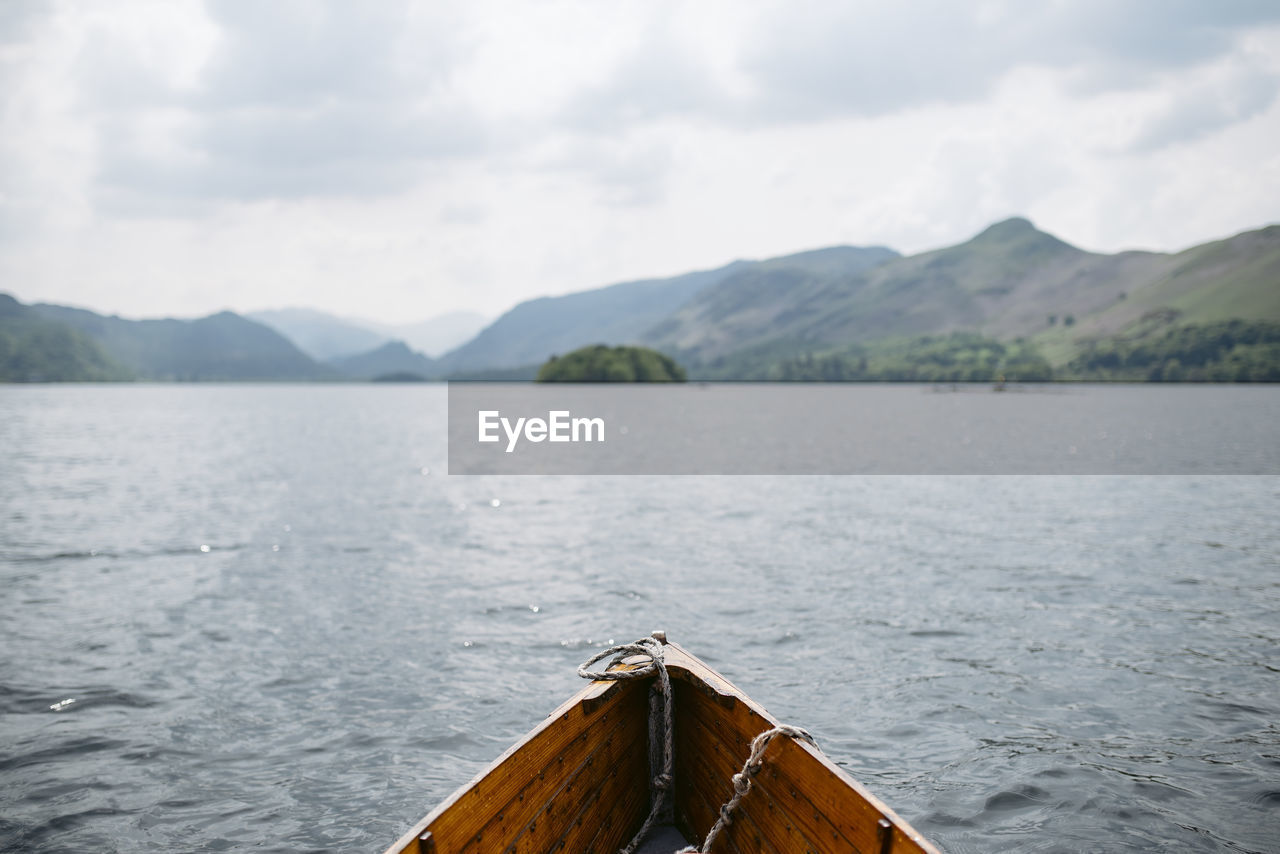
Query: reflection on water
pixel 282 627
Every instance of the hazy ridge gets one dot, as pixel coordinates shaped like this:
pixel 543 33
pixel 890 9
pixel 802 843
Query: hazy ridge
pixel 1011 285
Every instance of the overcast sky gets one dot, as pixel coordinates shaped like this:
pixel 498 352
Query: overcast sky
pixel 397 160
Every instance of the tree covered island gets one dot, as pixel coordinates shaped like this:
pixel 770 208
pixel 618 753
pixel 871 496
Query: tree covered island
pixel 600 363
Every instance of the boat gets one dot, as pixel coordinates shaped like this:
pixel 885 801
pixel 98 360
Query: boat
pixel 603 773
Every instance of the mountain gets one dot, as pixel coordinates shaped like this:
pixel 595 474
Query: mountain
pixel 1011 296
pixel 321 336
pixel 535 330
pixel 35 349
pixel 1238 277
pixel 978 285
pixel 392 358
pixel 326 337
pixel 223 346
pixel 436 335
pixel 1012 280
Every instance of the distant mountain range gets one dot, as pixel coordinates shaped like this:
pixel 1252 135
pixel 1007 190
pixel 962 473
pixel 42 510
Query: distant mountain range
pixel 1010 281
pixel 391 359
pixel 34 349
pixel 62 344
pixel 776 318
pixel 627 313
pixel 223 346
pixel 326 337
pixel 321 336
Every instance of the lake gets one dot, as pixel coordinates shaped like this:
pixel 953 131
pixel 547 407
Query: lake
pixel 262 616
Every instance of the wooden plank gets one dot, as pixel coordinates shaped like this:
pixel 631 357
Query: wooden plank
pixel 695 810
pixel 710 763
pixel 619 763
pixel 697 792
pixel 611 812
pixel 847 805
pixel 464 812
pixel 757 811
pixel 795 772
pixel 541 785
pixel 787 779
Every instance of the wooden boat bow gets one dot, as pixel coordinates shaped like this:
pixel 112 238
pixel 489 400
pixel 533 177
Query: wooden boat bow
pixel 579 782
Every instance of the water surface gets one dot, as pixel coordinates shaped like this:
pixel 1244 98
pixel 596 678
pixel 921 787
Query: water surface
pixel 260 617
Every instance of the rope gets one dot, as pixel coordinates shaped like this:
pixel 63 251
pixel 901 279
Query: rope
pixel 742 781
pixel 659 732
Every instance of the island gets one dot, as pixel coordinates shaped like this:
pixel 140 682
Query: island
pixel 600 363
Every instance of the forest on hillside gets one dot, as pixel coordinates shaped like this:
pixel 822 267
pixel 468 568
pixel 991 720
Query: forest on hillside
pixel 1227 351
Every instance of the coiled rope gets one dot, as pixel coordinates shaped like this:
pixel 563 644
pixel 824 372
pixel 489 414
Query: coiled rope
pixel 661 733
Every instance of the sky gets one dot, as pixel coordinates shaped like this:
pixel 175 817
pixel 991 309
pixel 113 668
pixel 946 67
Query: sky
pixel 397 160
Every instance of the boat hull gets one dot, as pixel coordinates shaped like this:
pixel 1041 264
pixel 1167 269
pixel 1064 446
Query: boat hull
pixel 579 782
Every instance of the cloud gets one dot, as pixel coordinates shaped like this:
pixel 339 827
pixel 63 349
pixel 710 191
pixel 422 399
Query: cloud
pixel 622 173
pixel 323 99
pixel 293 54
pixel 657 79
pixel 183 156
pixel 1207 107
pixel 345 149
pixel 294 100
pixel 843 60
pixel 815 61
pixel 851 61
pixel 19 17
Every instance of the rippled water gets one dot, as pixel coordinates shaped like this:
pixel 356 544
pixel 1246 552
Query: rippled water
pixel 260 617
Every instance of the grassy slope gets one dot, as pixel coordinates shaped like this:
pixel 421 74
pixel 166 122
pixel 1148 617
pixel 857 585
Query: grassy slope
pixel 763 302
pixel 222 346
pixel 35 349
pixel 1238 277
pixel 999 283
pixel 1005 283
pixel 536 329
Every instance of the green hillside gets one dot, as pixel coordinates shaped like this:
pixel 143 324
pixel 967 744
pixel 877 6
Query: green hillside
pixel 1222 351
pixel 33 349
pixel 960 357
pixel 622 313
pixel 533 330
pixel 1234 278
pixel 1010 296
pixel 223 346
pixel 997 283
pixel 1010 282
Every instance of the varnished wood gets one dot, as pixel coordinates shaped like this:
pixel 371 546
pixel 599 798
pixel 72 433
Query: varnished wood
pixel 820 799
pixel 494 811
pixel 578 783
pixel 566 778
